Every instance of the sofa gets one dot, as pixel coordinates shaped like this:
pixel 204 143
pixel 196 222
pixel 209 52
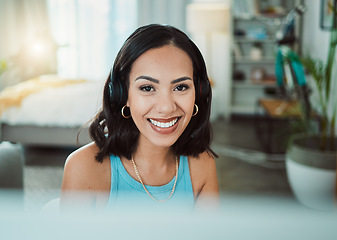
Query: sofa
pixel 11 166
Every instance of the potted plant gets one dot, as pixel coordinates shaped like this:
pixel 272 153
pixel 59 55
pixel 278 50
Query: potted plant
pixel 311 155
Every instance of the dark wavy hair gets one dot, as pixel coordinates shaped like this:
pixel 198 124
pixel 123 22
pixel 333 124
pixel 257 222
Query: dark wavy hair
pixel 114 134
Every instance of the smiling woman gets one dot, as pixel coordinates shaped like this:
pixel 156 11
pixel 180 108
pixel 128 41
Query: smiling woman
pixel 161 92
pixel 156 109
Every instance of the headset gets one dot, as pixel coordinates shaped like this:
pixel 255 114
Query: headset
pixel 115 90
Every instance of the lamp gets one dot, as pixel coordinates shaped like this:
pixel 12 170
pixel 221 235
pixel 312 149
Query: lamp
pixel 209 25
pixel 209 17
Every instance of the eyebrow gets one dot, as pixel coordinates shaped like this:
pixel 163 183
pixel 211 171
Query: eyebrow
pixel 157 81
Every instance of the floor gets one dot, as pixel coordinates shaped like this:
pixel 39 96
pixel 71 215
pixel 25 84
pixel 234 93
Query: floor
pixel 242 167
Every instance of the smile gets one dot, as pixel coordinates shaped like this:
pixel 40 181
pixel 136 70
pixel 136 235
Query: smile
pixel 163 124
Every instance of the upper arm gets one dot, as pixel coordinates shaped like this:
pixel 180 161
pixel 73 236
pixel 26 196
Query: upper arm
pixel 83 179
pixel 211 186
pixel 204 176
pixel 75 175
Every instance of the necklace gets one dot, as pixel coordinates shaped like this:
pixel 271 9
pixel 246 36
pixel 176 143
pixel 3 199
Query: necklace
pixel 148 193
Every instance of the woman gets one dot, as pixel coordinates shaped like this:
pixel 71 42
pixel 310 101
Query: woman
pixel 152 136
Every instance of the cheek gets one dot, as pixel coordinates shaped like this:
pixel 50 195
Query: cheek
pixel 190 103
pixel 138 106
pixel 188 106
pixel 132 97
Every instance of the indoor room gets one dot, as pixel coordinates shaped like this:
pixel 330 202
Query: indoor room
pixel 271 66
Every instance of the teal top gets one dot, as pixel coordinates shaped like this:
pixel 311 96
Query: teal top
pixel 125 189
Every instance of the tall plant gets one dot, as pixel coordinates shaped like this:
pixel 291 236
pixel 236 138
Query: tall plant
pixel 323 76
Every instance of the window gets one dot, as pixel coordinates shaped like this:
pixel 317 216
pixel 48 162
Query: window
pixel 89 34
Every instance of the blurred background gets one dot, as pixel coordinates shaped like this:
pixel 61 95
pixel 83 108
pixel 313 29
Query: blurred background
pixel 55 56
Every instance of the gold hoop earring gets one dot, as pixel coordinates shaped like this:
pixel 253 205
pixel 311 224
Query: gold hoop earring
pixel 122 111
pixel 196 110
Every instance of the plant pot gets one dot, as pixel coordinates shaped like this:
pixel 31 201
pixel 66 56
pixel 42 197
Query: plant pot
pixel 311 173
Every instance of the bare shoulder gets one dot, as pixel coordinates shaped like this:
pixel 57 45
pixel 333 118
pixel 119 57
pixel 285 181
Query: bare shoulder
pixel 202 164
pixel 203 158
pixel 83 172
pixel 204 176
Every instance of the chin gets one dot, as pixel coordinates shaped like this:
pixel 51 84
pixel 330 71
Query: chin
pixel 164 142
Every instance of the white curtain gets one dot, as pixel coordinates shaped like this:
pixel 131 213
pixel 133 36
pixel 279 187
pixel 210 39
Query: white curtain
pixel 89 34
pixel 21 23
pixel 171 12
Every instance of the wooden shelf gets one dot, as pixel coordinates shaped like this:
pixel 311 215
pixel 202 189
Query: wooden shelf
pixel 246 84
pixel 253 40
pixel 248 60
pixel 254 36
pixel 279 108
pixel 260 17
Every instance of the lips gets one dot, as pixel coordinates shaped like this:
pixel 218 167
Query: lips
pixel 164 126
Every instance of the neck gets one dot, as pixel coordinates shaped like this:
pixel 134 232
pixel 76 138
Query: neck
pixel 153 155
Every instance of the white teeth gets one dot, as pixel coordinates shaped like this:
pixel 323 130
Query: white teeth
pixel 163 125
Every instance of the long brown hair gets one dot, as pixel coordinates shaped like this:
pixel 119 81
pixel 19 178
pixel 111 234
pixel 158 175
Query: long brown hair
pixel 114 134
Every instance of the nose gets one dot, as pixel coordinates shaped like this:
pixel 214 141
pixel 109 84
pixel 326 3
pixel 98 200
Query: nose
pixel 165 104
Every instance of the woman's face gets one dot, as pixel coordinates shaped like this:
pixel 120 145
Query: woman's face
pixel 161 95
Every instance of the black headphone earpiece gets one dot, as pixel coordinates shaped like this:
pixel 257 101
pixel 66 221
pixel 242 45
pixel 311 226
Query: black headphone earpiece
pixel 115 90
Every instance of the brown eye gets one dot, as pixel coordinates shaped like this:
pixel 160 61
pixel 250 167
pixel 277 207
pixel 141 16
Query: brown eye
pixel 147 88
pixel 181 87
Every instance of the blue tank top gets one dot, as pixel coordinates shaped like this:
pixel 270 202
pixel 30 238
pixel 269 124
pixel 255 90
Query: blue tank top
pixel 125 189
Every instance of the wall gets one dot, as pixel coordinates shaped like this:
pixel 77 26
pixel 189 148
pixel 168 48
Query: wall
pixel 314 39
